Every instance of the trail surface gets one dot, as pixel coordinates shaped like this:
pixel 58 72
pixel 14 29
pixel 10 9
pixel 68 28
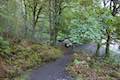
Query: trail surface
pixel 54 70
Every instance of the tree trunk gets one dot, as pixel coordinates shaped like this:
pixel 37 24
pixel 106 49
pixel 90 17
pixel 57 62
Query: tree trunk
pixel 54 20
pixel 97 49
pixel 25 19
pixel 33 21
pixel 50 22
pixel 107 55
pixel 33 28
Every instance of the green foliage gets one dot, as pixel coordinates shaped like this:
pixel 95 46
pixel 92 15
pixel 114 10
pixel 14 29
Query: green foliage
pixel 88 29
pixel 79 78
pixel 76 62
pixel 4 48
pixel 116 24
pixel 86 3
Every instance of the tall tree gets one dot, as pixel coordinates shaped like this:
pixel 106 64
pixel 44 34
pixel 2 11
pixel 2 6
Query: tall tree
pixel 34 8
pixel 55 10
pixel 114 6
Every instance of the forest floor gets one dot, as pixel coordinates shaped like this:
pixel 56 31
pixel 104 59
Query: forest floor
pixel 88 67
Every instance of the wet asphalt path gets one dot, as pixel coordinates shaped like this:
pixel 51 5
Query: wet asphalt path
pixel 54 70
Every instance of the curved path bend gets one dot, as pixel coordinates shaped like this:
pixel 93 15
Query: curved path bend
pixel 54 70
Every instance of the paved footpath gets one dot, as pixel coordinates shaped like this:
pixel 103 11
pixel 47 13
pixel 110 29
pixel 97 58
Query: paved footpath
pixel 53 71
pixel 56 70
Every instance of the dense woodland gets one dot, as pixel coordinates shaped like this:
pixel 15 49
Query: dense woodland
pixel 30 31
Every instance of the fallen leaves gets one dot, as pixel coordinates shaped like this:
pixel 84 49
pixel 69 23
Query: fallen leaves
pixel 89 69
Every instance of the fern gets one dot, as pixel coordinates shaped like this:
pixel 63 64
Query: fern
pixel 4 48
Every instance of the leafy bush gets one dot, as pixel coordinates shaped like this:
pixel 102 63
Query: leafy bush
pixel 4 48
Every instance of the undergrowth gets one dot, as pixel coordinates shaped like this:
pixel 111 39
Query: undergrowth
pixel 85 67
pixel 18 58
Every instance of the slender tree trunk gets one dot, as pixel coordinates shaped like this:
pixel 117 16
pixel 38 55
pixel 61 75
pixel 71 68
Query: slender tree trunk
pixel 107 55
pixel 25 33
pixel 110 5
pixel 33 21
pixel 104 3
pixel 25 19
pixel 33 26
pixel 114 11
pixel 97 49
pixel 52 21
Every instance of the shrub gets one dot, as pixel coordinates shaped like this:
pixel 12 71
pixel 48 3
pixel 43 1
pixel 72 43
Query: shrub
pixel 4 48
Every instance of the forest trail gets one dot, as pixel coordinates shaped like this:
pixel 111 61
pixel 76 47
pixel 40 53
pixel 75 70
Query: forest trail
pixel 54 70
